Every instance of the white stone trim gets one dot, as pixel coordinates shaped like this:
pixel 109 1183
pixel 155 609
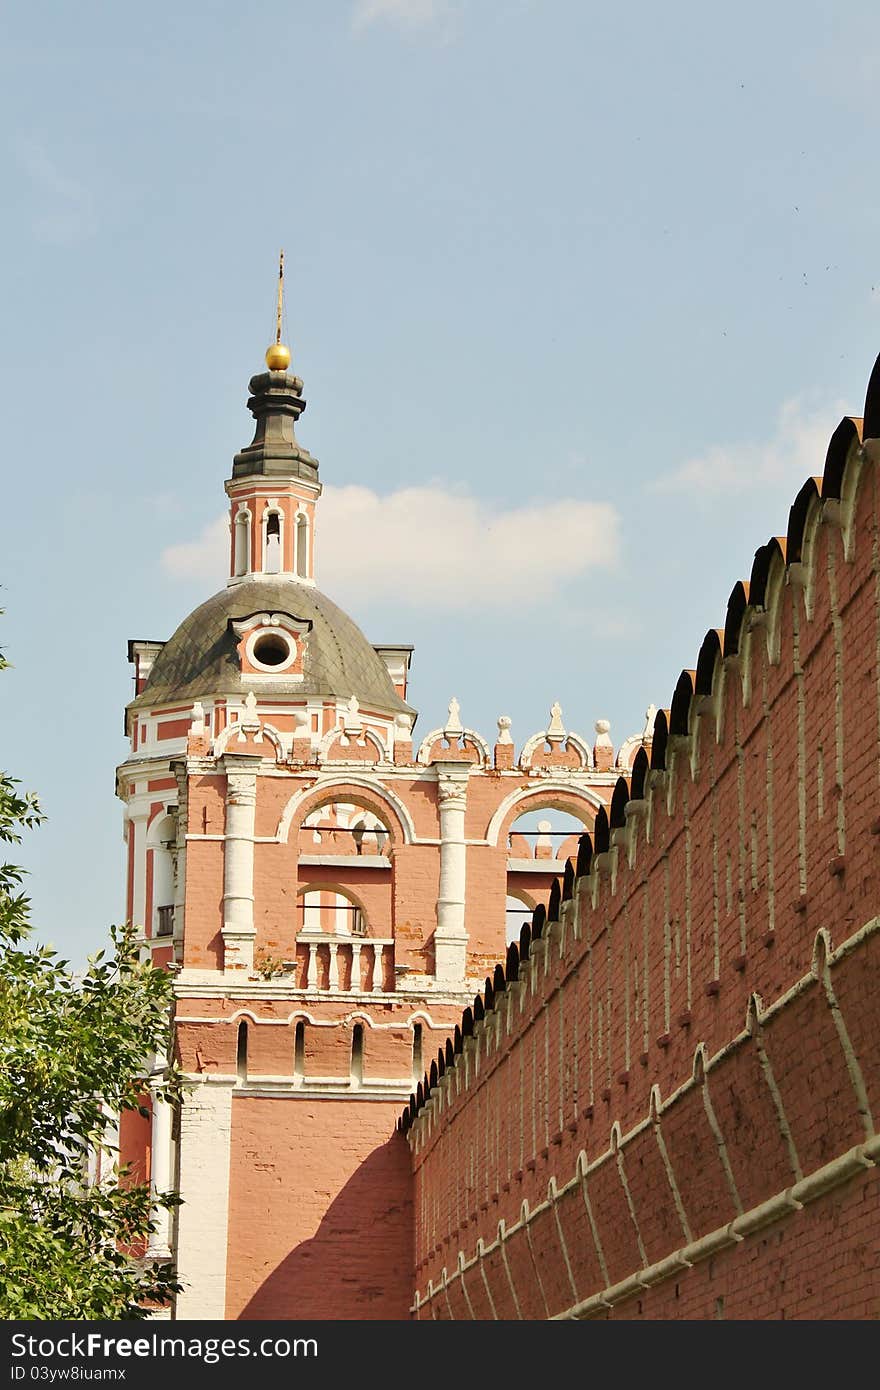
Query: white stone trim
pixel 302 1014
pixel 272 487
pixel 203 1217
pixel 331 1088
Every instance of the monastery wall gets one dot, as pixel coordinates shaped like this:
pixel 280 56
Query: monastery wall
pixel 665 1103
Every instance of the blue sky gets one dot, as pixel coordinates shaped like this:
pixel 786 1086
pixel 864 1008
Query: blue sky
pixel 577 292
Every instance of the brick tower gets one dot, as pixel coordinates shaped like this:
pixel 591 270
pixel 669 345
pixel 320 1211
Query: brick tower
pixel 330 897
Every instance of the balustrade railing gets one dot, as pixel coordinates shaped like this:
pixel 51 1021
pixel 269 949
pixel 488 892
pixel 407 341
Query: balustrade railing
pixel 345 964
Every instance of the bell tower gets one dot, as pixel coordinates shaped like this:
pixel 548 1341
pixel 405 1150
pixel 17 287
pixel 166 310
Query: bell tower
pixel 330 897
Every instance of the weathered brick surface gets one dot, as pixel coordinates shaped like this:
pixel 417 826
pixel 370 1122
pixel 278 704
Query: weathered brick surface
pixel 818 1263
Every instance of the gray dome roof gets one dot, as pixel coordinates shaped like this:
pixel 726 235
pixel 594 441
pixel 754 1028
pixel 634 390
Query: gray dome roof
pixel 201 659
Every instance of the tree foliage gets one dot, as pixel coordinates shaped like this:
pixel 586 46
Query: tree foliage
pixel 72 1050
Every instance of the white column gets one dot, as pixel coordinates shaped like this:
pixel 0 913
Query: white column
pixel 203 1217
pixel 450 938
pixel 238 862
pixel 178 767
pixel 161 1178
pixel 103 1161
pixel 138 818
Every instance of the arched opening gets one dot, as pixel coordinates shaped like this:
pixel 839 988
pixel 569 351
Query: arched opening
pixel 163 847
pixel 369 835
pixel 517 911
pixel 272 551
pixel 417 1065
pixel 357 1054
pixel 299 1051
pixel 544 832
pixel 241 1053
pixel 163 841
pixel 301 544
pixel 343 828
pixel 242 544
pixel 329 912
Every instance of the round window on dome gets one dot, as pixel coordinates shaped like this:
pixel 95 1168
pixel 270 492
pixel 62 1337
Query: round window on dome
pixel 272 650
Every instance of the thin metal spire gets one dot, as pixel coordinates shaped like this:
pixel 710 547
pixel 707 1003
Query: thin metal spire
pixel 280 298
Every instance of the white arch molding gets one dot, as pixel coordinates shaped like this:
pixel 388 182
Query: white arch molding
pixel 546 790
pixel 328 740
pixel 481 747
pixel 571 740
pixel 237 726
pixel 301 1014
pixel 324 784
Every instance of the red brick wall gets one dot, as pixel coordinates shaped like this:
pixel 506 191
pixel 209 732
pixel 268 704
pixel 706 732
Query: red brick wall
pixel 757 828
pixel 320 1217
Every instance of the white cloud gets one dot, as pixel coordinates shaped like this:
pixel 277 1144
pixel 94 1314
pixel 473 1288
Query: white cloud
pixel 67 213
pixel 404 14
pixel 204 559
pixel 796 450
pixel 436 549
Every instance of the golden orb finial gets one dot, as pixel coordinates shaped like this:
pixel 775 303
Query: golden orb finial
pixel 277 357
pixel 278 354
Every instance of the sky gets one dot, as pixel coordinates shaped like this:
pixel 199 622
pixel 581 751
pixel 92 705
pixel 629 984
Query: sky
pixel 578 293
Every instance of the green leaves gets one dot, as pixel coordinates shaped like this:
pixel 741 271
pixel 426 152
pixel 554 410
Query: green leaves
pixel 73 1049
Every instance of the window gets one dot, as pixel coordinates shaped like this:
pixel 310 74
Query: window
pixel 242 539
pixel 417 1067
pixel 241 1058
pixel 357 1054
pixel 272 557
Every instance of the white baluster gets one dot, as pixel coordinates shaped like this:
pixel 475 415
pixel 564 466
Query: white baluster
pixel 333 972
pixel 377 969
pixel 355 965
pixel 312 977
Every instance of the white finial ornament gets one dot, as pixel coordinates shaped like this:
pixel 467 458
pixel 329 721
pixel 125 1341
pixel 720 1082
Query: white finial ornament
pixel 198 718
pixel 453 727
pixel 650 716
pixel 504 722
pixel 352 723
pixel 556 728
pixel 249 722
